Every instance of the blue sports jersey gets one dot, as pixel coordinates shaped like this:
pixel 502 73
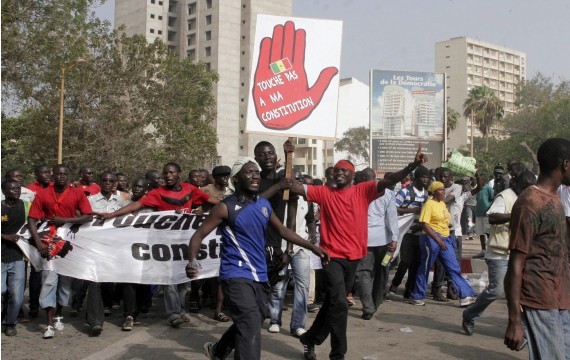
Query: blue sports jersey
pixel 244 235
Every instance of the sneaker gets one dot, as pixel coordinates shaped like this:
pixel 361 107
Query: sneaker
pixel 59 326
pixel 468 327
pixel 308 349
pixel 10 330
pixel 49 333
pixel 176 322
pixel 416 302
pixel 107 311
pixel 128 324
pixel 274 328
pixel 393 290
pixel 465 302
pixel 298 332
pixel 186 318
pixel 313 308
pixel 116 306
pixel 209 349
pixel 367 316
pixel 96 330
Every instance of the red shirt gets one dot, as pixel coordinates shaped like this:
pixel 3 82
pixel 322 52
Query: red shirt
pixel 49 203
pixel 35 186
pixel 344 218
pixel 90 189
pixel 163 198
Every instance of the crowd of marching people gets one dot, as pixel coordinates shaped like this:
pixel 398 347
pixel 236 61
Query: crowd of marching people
pixel 349 221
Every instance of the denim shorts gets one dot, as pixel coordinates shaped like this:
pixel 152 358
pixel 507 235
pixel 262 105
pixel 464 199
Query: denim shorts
pixel 55 289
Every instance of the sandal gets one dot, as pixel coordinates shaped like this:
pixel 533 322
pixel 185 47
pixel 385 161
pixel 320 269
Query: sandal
pixel 221 317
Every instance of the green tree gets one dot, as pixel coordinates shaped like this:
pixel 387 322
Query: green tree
pixel 452 119
pixel 483 105
pixel 131 106
pixel 355 142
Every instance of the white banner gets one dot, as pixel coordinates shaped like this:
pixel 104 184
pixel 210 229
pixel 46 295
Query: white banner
pixel 148 248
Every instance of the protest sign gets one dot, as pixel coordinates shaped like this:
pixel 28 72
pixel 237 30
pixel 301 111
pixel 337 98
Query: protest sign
pixel 294 79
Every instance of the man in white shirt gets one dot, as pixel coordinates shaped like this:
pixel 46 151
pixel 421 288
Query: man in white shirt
pixel 497 249
pixel 383 237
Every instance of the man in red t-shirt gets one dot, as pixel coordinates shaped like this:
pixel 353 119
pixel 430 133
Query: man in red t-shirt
pixel 58 204
pixel 178 196
pixel 43 178
pixel 87 183
pixel 344 235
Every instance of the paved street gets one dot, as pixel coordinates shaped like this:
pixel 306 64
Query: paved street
pixel 435 334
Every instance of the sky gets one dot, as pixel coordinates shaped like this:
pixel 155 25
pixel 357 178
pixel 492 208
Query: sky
pixel 401 35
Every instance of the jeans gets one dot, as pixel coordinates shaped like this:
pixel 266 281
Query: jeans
pixel 410 256
pixel 173 300
pixel 129 295
pixel 35 285
pixel 13 285
pixel 494 291
pixel 332 317
pixel 430 253
pixel 439 278
pixel 548 333
pixel 468 220
pixel 372 278
pixel 248 308
pixel 94 309
pixel 300 265
pixel 55 289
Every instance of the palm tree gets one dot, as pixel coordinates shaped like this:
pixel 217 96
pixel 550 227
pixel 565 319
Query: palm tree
pixel 452 118
pixel 485 109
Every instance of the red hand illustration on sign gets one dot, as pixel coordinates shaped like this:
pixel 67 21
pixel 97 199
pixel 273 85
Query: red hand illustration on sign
pixel 281 93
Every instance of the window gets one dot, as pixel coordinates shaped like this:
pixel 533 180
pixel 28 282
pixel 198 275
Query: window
pixel 243 6
pixel 208 4
pixel 242 68
pixel 171 21
pixel 191 54
pixel 209 20
pixel 191 24
pixel 152 31
pixel 242 99
pixel 241 116
pixel 243 21
pixel 208 51
pixel 243 37
pixel 208 35
pixel 314 141
pixel 171 35
pixel 160 3
pixel 208 68
pixel 191 9
pixel 152 1
pixel 243 52
pixel 159 32
pixel 242 84
pixel 159 17
pixel 191 39
pixel 152 16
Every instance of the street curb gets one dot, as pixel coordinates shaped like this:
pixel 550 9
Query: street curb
pixel 469 266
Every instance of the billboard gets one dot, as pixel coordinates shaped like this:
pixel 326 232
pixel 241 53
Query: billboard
pixel 406 107
pixel 294 79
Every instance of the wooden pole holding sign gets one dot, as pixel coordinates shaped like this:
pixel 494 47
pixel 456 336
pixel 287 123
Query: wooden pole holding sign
pixel 288 170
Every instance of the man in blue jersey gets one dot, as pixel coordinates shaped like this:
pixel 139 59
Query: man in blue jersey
pixel 243 219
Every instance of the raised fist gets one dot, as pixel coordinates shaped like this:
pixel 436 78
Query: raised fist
pixel 281 94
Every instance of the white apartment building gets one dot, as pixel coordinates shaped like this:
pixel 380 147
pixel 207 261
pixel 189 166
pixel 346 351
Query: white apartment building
pixel 468 63
pixel 221 34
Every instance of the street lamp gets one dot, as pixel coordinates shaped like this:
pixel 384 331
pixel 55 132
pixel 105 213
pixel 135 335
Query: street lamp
pixel 78 61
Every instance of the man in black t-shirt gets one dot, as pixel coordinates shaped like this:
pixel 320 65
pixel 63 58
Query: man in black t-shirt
pixel 13 266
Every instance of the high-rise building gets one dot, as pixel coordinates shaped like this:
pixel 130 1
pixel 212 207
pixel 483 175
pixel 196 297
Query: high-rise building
pixel 468 63
pixel 220 34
